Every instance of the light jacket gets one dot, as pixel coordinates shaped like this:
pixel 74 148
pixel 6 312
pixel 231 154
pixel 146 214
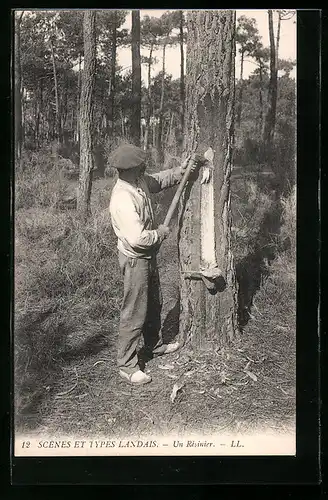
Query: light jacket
pixel 132 214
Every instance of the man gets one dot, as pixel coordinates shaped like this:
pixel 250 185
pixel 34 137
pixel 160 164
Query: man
pixel 138 242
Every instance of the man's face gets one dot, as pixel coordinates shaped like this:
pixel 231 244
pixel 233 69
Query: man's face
pixel 133 174
pixel 140 170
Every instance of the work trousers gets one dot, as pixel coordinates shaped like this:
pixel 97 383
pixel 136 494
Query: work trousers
pixel 140 310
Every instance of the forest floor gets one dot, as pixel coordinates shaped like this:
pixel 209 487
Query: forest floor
pixel 247 386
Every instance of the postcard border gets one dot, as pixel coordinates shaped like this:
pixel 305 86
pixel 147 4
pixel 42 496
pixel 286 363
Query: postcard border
pixel 304 469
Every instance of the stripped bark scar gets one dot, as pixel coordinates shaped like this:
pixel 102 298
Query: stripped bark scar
pixel 207 235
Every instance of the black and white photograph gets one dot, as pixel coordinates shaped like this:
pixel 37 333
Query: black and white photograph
pixel 154 232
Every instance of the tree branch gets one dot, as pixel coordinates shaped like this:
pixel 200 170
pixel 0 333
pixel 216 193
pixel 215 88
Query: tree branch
pixel 19 20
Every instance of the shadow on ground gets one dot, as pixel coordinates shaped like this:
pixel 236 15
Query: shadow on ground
pixel 40 373
pixel 171 323
pixel 89 347
pixel 254 268
pixel 170 330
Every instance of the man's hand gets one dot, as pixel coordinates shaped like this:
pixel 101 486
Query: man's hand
pixel 190 159
pixel 163 232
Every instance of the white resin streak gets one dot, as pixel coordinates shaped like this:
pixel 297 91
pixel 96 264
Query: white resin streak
pixel 207 245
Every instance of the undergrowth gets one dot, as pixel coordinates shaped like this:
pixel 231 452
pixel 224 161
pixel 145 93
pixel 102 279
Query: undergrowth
pixel 67 281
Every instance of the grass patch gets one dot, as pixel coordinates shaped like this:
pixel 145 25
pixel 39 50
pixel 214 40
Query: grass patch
pixel 67 292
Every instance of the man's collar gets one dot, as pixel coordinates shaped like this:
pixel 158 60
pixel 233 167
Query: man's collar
pixel 130 185
pixel 126 183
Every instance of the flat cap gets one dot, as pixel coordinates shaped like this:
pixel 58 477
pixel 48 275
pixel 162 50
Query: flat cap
pixel 127 156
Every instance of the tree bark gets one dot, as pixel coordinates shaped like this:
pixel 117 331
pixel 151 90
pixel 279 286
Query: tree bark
pixel 136 79
pixel 154 129
pixel 64 109
pixel 161 111
pixel 78 100
pixel 122 124
pixel 41 131
pixel 206 318
pixel 241 89
pixel 261 97
pixel 149 112
pixel 39 114
pixel 278 39
pixel 182 83
pixel 86 113
pixel 23 108
pixel 18 94
pixel 113 70
pixel 36 122
pixel 57 119
pixel 270 119
pixel 169 128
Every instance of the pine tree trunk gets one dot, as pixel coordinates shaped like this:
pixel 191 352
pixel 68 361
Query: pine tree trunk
pixel 169 128
pixel 278 39
pixel 86 113
pixel 57 118
pixel 41 131
pixel 113 71
pixel 149 112
pixel 261 98
pixel 159 146
pixel 36 122
pixel 38 115
pixel 145 140
pixel 78 99
pixel 64 109
pixel 136 80
pixel 182 83
pixel 154 129
pixel 270 119
pixel 71 124
pixel 241 90
pixel 205 212
pixel 122 123
pixel 23 111
pixel 18 95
